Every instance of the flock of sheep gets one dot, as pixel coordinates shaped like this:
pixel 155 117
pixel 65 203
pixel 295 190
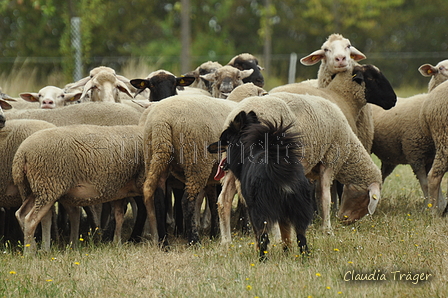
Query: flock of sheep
pixel 108 139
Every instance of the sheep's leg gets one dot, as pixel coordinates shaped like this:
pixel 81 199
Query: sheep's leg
pixel 160 207
pixel 139 221
pixel 212 199
pixel 178 214
pixel 285 231
pixel 386 170
pixel 225 199
pixel 46 230
pixel 326 174
pixel 31 221
pixel 24 209
pixel 74 216
pixel 435 175
pixel 189 207
pixel 118 207
pixel 198 208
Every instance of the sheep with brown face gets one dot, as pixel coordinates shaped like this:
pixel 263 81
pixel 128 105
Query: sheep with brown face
pixel 203 69
pixel 225 79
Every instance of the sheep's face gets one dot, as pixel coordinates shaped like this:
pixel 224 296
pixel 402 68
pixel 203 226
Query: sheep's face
pixel 246 62
pixel 105 87
pixel 357 202
pixel 378 89
pixel 4 106
pixel 51 97
pixel 336 52
pixel 226 79
pixel 161 84
pixel 438 73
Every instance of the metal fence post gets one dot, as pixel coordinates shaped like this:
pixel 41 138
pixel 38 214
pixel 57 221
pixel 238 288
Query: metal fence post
pixel 76 44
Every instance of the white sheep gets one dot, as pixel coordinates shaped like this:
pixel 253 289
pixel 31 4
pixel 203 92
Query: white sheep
pixel 50 97
pixel 6 106
pixel 86 113
pixel 399 139
pixel 79 165
pixel 105 87
pixel 245 90
pixel 433 123
pixel 330 151
pixel 177 130
pixel 225 79
pixel 336 54
pixel 438 73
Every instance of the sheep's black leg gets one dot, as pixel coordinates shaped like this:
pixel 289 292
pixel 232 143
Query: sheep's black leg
pixel 212 200
pixel 191 222
pixel 159 204
pixel 178 215
pixel 140 220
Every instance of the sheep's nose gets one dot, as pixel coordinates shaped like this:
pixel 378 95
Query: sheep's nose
pixel 340 59
pixel 2 121
pixel 47 102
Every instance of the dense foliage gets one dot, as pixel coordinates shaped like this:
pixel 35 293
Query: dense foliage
pixel 396 35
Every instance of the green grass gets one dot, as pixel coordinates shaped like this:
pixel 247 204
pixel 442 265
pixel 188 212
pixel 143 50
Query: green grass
pixel 400 236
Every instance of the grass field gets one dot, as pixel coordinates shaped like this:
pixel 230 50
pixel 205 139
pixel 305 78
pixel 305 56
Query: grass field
pixel 402 249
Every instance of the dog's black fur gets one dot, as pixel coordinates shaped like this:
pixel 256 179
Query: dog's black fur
pixel 272 178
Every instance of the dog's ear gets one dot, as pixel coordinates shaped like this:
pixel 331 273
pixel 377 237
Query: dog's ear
pixel 239 121
pixel 252 118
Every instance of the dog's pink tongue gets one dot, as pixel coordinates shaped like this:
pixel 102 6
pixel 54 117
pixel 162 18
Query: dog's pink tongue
pixel 220 172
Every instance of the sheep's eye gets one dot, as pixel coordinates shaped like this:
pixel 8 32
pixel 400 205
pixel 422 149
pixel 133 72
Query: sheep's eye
pixel 326 50
pixel 348 47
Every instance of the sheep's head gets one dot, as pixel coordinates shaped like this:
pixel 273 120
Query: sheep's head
pixel 225 79
pixel 336 52
pixel 105 87
pixel 203 69
pixel 246 90
pixel 378 89
pixel 438 73
pixel 51 97
pixel 357 202
pixel 162 84
pixel 247 61
pixel 4 106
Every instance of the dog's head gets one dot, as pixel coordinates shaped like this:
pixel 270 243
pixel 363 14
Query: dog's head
pixel 231 136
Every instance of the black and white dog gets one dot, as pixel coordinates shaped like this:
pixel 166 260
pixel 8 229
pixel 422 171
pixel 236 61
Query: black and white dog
pixel 265 158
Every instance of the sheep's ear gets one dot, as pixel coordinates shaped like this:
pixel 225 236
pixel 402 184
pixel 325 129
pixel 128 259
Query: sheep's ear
pixel 70 97
pixel 140 83
pixel 374 196
pixel 5 105
pixel 427 70
pixel 31 97
pixel 313 58
pixel 89 85
pixel 208 77
pixel 185 81
pixel 80 83
pixel 246 73
pixel 358 75
pixel 123 88
pixel 356 54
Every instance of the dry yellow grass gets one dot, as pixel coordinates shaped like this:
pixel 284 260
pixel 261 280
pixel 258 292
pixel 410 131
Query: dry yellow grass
pixel 400 236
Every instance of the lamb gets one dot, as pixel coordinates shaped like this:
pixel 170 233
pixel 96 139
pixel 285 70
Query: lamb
pixel 330 151
pixel 51 97
pixel 161 84
pixel 247 61
pixel 225 79
pixel 433 123
pixel 11 136
pixel 399 139
pixel 203 69
pixel 176 129
pixel 78 165
pixel 87 113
